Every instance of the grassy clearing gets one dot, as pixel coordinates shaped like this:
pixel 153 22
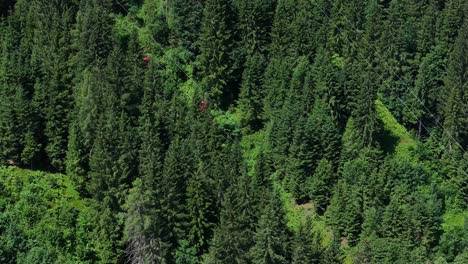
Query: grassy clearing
pixel 396 137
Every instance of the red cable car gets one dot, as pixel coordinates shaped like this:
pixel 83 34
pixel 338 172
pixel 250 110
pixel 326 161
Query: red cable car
pixel 146 60
pixel 203 105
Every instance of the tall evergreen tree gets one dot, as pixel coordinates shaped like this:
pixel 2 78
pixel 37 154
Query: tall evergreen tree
pixel 233 238
pixel 251 93
pixel 216 60
pixel 187 22
pixel 320 185
pixel 456 108
pixel 201 211
pixel 152 241
pixel 306 248
pixel 424 100
pixel 93 39
pixel 272 238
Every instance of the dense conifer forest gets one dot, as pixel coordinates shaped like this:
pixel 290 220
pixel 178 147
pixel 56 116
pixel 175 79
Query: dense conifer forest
pixel 234 131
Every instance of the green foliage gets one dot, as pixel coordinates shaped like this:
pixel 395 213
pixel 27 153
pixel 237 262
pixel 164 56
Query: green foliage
pixel 41 219
pixel 209 131
pixel 453 241
pixel 185 254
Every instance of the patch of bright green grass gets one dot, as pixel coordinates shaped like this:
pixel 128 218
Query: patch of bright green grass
pixel 252 146
pixel 397 136
pixel 454 220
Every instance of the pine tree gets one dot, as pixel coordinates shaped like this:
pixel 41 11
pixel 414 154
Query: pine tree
pixel 286 120
pixel 53 90
pixel 398 51
pixel 155 15
pixel 172 193
pixel 106 232
pixel 154 240
pixel 185 254
pixel 364 114
pixel 9 143
pixel 92 44
pixel 304 28
pixel 83 127
pixel 332 253
pixel 453 19
pixel 354 192
pixel 279 70
pixel 142 246
pixel 309 146
pixel 429 24
pixel 282 33
pixel 261 182
pixel 351 142
pixel 332 84
pixel 21 129
pixel 276 82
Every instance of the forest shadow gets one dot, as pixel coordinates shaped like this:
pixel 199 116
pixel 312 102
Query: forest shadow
pixel 388 141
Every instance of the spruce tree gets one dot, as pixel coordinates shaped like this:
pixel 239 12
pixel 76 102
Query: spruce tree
pixel 10 144
pixel 142 245
pixel 305 247
pixel 233 237
pixel 201 209
pixel 255 24
pixel 424 102
pixel 455 109
pixel 332 84
pixel 320 185
pixel 272 238
pixel 93 38
pixel 187 22
pixel 172 194
pixel 251 93
pixel 216 58
pixel 157 235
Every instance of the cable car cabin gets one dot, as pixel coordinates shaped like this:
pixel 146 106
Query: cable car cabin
pixel 203 105
pixel 146 60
